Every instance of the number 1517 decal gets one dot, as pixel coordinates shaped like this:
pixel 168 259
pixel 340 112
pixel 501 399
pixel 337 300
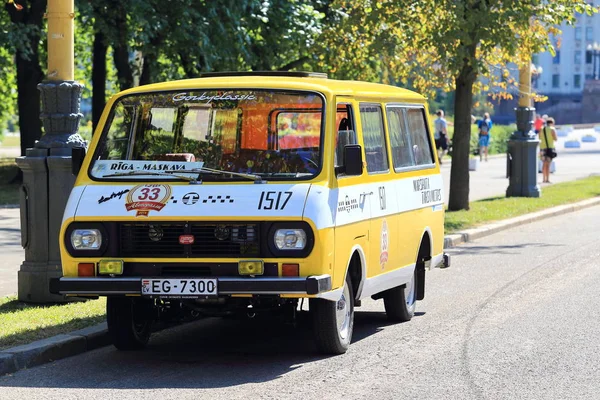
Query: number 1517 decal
pixel 272 200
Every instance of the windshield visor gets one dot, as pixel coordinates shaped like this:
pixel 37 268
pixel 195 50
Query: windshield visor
pixel 206 134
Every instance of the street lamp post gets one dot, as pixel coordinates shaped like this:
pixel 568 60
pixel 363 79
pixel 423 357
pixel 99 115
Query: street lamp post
pixel 521 157
pixel 594 48
pixel 47 177
pixel 536 71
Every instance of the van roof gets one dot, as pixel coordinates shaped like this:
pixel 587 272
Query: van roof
pixel 281 80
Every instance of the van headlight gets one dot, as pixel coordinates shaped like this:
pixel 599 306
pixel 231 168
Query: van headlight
pixel 290 239
pixel 86 239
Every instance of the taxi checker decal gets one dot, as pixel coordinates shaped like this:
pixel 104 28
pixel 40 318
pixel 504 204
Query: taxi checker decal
pixel 146 198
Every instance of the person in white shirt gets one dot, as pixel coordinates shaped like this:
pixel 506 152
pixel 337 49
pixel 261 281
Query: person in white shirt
pixel 441 135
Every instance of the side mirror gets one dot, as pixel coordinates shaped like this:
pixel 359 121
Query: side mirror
pixel 77 156
pixel 353 162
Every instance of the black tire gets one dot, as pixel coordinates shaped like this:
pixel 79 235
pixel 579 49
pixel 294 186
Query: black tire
pixel 332 337
pixel 129 322
pixel 400 302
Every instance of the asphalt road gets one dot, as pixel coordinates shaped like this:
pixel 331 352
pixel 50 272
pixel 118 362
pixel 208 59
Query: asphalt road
pixel 515 317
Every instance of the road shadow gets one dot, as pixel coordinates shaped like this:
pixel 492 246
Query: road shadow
pixel 210 353
pixel 469 249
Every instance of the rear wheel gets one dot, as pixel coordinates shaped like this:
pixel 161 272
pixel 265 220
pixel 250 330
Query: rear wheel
pixel 400 302
pixel 129 322
pixel 333 321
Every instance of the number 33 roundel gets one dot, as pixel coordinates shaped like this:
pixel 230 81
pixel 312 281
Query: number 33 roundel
pixel 146 198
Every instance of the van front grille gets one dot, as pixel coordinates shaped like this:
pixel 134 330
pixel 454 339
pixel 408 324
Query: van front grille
pixel 158 240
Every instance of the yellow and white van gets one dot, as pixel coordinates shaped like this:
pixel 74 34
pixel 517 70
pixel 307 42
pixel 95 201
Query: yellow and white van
pixel 245 192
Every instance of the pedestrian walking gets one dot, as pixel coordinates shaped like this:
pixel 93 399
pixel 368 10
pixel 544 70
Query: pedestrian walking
pixel 538 124
pixel 485 126
pixel 547 149
pixel 441 135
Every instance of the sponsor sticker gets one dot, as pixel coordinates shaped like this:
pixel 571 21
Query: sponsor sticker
pixel 103 168
pixel 113 195
pixel 385 243
pixel 146 198
pixel 347 204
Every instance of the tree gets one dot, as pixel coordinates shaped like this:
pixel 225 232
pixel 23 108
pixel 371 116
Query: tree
pixel 282 34
pixel 8 83
pixel 26 18
pixel 447 44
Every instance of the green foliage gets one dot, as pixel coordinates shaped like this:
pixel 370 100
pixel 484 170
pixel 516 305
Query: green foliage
pixel 500 134
pixel 434 44
pixel 8 96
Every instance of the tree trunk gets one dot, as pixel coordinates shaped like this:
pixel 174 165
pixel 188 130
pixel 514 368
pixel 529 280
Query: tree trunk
pixel 147 65
pixel 150 62
pixel 459 173
pixel 29 74
pixel 98 78
pixel 121 54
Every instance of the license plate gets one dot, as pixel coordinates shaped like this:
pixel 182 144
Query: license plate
pixel 179 287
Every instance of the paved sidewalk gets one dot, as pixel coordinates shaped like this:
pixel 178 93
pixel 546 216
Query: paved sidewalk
pixel 490 178
pixel 12 254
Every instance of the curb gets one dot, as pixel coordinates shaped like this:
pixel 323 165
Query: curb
pixel 83 340
pixel 469 235
pixel 54 348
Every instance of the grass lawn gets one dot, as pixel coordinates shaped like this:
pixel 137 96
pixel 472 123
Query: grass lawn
pixel 9 193
pixel 24 323
pixel 498 208
pixel 11 141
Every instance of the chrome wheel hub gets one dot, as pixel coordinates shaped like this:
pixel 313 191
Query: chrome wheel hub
pixel 409 292
pixel 342 313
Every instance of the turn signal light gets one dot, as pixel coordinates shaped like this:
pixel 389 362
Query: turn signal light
pixel 110 267
pixel 86 269
pixel 251 267
pixel 290 270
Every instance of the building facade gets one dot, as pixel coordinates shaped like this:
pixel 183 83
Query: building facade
pixel 570 78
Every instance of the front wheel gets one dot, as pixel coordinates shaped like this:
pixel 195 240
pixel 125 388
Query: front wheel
pixel 333 321
pixel 129 322
pixel 400 302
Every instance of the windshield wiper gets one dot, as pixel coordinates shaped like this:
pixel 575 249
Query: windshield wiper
pixel 252 177
pixel 189 171
pixel 164 173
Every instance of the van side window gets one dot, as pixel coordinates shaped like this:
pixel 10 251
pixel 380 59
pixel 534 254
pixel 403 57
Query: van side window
pixel 419 137
pixel 115 147
pixel 345 132
pixel 402 154
pixel 371 117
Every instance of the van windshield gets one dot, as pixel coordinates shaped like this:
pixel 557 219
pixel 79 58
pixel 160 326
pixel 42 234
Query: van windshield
pixel 168 135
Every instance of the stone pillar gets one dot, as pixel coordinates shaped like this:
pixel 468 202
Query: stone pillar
pixel 590 102
pixel 522 157
pixel 47 183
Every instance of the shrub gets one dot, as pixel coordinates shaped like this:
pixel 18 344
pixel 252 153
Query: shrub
pixel 498 141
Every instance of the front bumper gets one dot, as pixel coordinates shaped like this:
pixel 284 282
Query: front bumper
pixel 311 285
